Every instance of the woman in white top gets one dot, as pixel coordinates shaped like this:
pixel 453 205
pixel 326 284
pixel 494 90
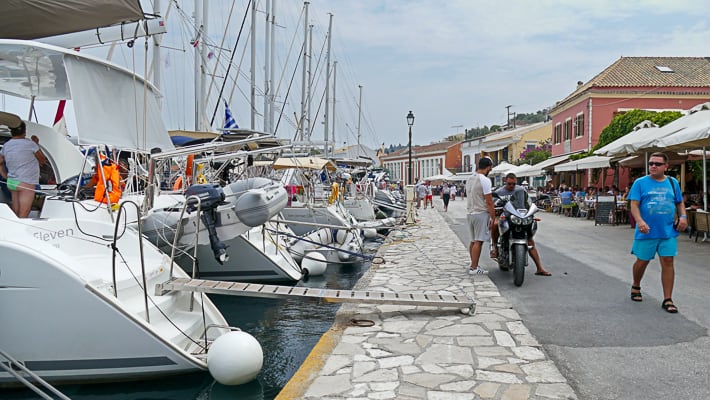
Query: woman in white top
pixel 452 191
pixel 20 159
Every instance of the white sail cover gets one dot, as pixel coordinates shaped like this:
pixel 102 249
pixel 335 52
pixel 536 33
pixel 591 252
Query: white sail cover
pixel 32 19
pixel 112 105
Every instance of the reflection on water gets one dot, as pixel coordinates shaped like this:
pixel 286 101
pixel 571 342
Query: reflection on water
pixel 286 328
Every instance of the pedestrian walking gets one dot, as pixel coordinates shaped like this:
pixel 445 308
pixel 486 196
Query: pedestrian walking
pixel 453 192
pixel 481 213
pixel 445 194
pixel 656 200
pixel 429 199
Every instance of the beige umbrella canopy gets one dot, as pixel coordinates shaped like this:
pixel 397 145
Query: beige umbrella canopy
pixel 304 163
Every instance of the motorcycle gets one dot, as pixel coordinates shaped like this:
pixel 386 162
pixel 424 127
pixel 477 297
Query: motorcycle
pixel 516 226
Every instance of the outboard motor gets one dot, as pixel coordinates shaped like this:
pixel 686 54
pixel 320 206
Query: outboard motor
pixel 211 196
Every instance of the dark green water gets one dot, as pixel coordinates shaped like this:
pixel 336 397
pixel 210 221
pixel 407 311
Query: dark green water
pixel 286 329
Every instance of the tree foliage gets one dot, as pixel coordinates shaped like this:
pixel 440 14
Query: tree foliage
pixel 624 124
pixel 532 118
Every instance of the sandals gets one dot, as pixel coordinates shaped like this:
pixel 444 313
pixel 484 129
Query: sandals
pixel 669 306
pixel 636 296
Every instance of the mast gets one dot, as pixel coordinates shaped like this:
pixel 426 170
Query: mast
pixel 272 69
pixel 253 66
pixel 327 86
pixel 335 70
pixel 267 68
pixel 198 64
pixel 303 81
pixel 156 50
pixel 309 88
pixel 359 119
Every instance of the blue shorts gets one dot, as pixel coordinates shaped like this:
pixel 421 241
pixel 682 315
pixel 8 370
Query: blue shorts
pixel 646 249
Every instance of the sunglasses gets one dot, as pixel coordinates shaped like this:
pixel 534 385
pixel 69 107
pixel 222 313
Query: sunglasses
pixel 655 164
pixel 510 184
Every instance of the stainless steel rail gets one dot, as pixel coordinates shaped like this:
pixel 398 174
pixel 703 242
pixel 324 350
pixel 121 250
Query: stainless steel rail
pixel 15 368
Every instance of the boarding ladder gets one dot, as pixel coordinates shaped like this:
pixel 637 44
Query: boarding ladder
pixel 464 303
pixel 19 371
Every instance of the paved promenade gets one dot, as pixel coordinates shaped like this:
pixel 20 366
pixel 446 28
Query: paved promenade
pixel 425 352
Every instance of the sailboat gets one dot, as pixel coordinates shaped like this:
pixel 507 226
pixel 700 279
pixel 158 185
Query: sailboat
pixel 89 282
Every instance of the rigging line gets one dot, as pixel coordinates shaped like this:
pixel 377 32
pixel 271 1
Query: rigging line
pixel 219 56
pixel 281 113
pixel 243 74
pixel 290 50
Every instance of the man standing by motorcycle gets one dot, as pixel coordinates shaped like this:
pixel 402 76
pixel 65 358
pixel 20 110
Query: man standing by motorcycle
pixel 518 196
pixel 481 213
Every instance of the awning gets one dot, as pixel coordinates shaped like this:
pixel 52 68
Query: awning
pixel 539 168
pixel 41 18
pixel 658 139
pixel 584 163
pixel 497 144
pixel 461 176
pixel 494 147
pixel 501 169
pixel 304 163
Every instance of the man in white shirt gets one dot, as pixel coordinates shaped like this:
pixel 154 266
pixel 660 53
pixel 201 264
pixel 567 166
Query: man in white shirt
pixel 481 212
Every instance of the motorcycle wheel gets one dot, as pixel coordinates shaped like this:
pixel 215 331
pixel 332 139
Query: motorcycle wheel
pixel 519 255
pixel 503 260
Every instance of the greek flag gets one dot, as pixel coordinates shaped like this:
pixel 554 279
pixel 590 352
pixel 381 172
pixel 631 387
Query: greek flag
pixel 229 121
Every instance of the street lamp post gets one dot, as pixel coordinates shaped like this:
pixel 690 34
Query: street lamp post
pixel 410 122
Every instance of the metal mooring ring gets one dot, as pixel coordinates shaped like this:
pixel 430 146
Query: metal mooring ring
pixel 362 323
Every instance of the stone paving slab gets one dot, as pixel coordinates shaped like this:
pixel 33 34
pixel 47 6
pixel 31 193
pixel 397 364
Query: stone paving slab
pixel 428 352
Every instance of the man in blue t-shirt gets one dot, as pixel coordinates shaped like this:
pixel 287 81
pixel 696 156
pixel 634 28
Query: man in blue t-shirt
pixel 655 201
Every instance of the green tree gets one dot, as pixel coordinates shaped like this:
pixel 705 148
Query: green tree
pixel 624 124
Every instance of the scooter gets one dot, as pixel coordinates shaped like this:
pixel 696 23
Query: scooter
pixel 516 226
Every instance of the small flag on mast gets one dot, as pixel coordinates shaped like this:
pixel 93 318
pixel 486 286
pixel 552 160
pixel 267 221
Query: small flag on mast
pixel 229 121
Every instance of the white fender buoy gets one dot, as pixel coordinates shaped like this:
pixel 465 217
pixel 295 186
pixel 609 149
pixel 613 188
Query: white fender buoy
pixel 314 263
pixel 369 233
pixel 235 358
pixel 341 235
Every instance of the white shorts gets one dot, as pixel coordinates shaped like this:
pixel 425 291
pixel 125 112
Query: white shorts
pixel 478 227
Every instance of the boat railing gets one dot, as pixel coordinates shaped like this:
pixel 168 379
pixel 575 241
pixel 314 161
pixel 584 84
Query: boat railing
pixel 34 383
pixel 140 247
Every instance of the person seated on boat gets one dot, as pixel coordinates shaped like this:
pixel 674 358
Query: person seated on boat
pixel 20 160
pixel 111 176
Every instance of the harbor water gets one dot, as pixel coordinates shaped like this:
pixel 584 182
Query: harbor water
pixel 287 330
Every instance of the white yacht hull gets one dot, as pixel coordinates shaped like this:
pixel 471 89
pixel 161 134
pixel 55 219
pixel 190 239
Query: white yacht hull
pixel 59 315
pixel 255 256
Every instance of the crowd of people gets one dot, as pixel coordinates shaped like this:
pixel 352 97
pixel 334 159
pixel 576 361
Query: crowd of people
pixel 447 191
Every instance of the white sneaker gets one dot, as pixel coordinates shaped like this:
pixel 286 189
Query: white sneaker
pixel 477 271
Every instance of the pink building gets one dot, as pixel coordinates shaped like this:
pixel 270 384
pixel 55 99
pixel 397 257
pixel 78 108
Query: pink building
pixel 649 83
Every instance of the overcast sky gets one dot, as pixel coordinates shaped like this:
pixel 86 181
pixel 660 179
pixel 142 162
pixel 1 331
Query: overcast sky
pixel 460 62
pixel 453 63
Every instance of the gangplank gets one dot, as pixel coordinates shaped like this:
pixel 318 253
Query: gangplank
pixel 464 303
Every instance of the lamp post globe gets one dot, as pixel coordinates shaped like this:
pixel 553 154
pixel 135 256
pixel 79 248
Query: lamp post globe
pixel 410 122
